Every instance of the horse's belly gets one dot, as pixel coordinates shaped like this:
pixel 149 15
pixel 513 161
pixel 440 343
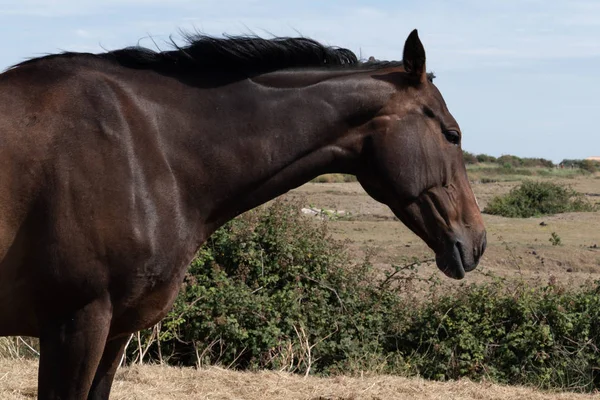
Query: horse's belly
pixel 17 287
pixel 17 316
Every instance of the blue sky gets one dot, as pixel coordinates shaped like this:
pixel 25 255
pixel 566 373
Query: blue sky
pixel 521 76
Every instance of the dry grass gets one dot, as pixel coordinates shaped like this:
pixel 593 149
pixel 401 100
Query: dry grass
pixel 334 178
pixel 18 381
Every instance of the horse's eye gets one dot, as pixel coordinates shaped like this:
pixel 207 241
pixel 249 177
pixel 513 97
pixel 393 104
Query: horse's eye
pixel 452 136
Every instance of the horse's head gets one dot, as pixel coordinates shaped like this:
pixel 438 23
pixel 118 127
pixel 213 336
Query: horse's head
pixel 414 164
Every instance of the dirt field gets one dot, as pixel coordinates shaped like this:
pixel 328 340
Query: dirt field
pixel 18 381
pixel 517 248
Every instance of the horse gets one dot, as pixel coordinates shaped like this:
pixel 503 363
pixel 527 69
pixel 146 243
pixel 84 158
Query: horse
pixel 115 167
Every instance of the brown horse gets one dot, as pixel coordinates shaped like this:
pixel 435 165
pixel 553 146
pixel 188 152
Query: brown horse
pixel 116 167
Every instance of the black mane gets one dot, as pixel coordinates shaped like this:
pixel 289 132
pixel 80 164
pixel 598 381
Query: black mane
pixel 243 56
pixel 236 53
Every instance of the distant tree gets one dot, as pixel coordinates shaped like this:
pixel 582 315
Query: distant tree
pixel 469 158
pixel 507 159
pixel 590 165
pixel 485 158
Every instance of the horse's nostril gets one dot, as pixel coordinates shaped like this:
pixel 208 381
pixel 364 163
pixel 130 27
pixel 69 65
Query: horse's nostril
pixel 483 243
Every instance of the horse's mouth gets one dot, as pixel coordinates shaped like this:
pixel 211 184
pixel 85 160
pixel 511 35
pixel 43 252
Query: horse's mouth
pixel 452 262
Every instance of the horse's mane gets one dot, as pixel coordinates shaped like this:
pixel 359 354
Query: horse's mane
pixel 238 55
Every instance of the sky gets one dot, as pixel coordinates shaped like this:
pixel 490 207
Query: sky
pixel 521 77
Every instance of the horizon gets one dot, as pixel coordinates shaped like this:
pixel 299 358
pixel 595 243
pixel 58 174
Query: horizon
pixel 520 77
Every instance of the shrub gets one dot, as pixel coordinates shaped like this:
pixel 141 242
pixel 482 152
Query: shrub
pixel 469 158
pixel 334 178
pixel 513 161
pixel 267 286
pixel 590 166
pixel 536 162
pixel 484 158
pixel 516 162
pixel 532 199
pixel 546 337
pixel 272 290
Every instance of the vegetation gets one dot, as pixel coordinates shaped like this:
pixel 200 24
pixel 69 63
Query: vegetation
pixel 585 165
pixel 271 290
pixel 507 161
pixel 469 158
pixel 334 178
pixel 484 158
pixel 483 167
pixel 533 199
pixel 555 239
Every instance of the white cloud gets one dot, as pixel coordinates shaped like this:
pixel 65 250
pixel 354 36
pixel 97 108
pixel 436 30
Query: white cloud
pixel 82 33
pixel 59 8
pixel 469 36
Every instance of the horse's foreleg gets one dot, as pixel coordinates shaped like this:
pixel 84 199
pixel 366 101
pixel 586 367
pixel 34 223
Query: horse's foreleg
pixel 71 348
pixel 108 367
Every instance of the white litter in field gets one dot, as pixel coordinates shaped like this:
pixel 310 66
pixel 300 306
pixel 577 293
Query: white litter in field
pixel 323 213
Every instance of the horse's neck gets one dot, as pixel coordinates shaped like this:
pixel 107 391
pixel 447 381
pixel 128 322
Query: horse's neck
pixel 276 138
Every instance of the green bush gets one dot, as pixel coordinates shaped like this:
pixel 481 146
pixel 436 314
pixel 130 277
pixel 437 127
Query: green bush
pixel 546 337
pixel 525 162
pixel 590 166
pixel 537 162
pixel 555 239
pixel 510 160
pixel 484 158
pixel 272 284
pixel 532 199
pixel 272 290
pixel 469 158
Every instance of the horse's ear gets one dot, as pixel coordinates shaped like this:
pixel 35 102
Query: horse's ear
pixel 413 58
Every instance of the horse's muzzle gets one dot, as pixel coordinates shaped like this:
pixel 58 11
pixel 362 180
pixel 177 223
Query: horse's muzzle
pixel 457 258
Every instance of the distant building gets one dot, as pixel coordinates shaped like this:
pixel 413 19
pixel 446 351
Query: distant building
pixel 593 159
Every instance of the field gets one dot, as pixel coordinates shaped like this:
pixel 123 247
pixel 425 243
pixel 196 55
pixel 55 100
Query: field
pixel 518 249
pixel 18 382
